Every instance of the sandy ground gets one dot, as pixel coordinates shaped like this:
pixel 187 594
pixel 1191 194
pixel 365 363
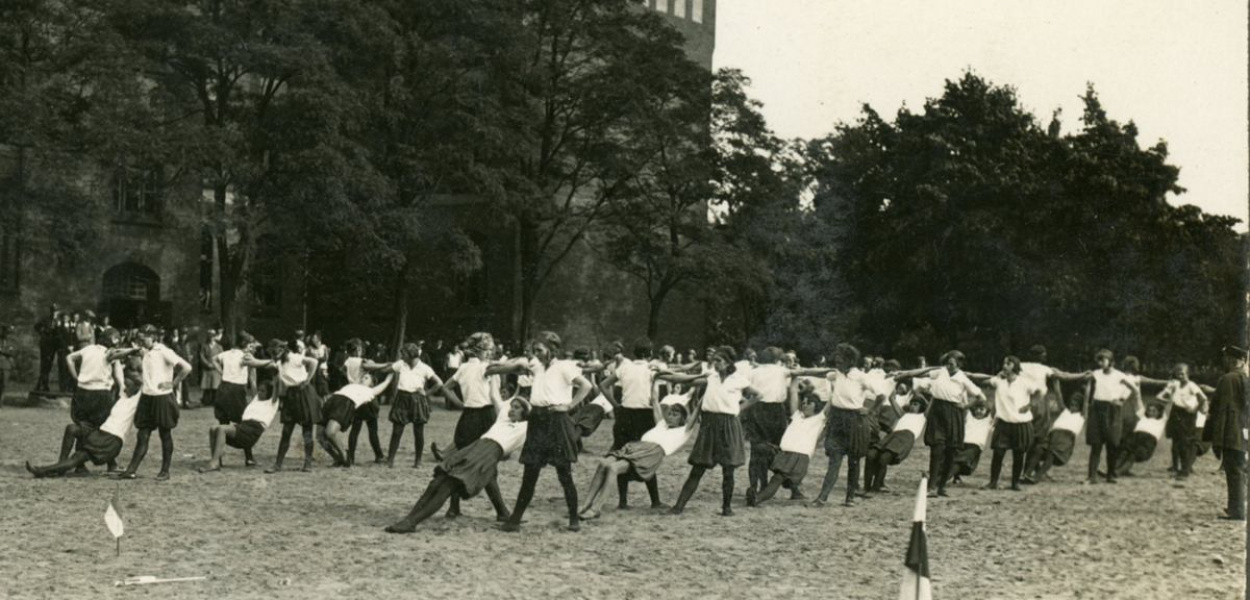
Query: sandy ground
pixel 299 535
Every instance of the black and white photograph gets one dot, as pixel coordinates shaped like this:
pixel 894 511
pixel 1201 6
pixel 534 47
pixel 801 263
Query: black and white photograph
pixel 624 299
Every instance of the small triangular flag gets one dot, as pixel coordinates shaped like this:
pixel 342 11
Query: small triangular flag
pixel 113 519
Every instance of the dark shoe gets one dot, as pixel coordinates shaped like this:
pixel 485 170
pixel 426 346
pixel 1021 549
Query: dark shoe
pixel 162 476
pixel 508 527
pixel 750 496
pixel 942 493
pixel 435 452
pixel 990 486
pixel 726 512
pixel 401 527
pixel 1016 488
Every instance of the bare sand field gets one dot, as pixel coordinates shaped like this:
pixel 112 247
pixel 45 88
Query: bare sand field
pixel 319 535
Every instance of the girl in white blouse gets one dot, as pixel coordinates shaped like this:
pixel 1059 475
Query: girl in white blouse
pixel 720 441
pixel 643 457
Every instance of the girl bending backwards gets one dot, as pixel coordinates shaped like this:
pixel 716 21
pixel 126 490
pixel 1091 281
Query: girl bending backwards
pixel 798 443
pixel 642 458
pixel 978 427
pixel 256 418
pixel 99 446
pixel 896 446
pixel 1140 445
pixel 1061 440
pixel 720 441
pixel 340 413
pixel 467 471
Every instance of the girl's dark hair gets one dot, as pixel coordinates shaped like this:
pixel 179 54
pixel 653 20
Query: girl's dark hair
pixel 525 410
pixel 955 354
pixel 1015 363
pixel 1130 364
pixel 550 339
pixel 771 355
pixel 642 348
pixel 685 413
pixel 729 355
pixel 847 354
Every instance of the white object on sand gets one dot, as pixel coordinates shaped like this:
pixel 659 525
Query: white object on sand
pixel 147 579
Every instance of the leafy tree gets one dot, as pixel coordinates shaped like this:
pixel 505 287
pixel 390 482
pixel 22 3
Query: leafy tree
pixel 593 69
pixel 222 73
pixel 968 224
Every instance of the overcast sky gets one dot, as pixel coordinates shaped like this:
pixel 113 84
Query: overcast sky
pixel 1178 69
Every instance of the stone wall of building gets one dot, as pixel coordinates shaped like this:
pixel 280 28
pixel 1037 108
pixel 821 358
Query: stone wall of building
pixel 157 258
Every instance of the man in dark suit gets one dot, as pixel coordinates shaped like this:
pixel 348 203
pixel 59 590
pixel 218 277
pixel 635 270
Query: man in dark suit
pixel 1226 429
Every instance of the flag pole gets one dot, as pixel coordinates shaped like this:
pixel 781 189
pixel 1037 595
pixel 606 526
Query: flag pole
pixel 924 480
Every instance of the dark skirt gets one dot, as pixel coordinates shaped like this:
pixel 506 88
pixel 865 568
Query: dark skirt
pixel 967 458
pixel 340 409
pixel 551 439
pixel 848 432
pixel 587 418
pixel 301 405
pixel 321 384
pixel 791 466
pixel 899 445
pixel 101 447
pixel 644 458
pixel 246 434
pixel 765 422
pixel 1141 445
pixel 156 412
pixel 630 424
pixel 91 407
pixel 1061 443
pixel 719 443
pixel 945 424
pixel 1012 436
pixel 1104 425
pixel 231 402
pixel 472 424
pixel 1181 425
pixel 410 407
pixel 368 411
pixel 473 466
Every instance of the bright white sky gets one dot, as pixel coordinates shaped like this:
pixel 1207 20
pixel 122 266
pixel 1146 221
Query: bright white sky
pixel 1178 69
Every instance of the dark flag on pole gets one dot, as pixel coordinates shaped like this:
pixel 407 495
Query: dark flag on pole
pixel 916 585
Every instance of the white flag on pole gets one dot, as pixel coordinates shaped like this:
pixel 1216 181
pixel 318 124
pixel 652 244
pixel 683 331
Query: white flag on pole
pixel 113 519
pixel 916 584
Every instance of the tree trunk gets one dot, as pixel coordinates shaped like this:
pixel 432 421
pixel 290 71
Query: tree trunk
pixel 227 276
pixel 401 309
pixel 653 315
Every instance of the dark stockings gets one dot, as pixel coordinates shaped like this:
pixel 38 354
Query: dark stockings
pixel 373 440
pixel 529 481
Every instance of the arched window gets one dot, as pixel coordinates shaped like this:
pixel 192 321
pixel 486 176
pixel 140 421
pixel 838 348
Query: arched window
pixel 132 281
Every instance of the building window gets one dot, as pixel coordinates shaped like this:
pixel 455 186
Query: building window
pixel 696 11
pixel 132 281
pixel 661 5
pixel 9 260
pixel 137 192
pixel 679 9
